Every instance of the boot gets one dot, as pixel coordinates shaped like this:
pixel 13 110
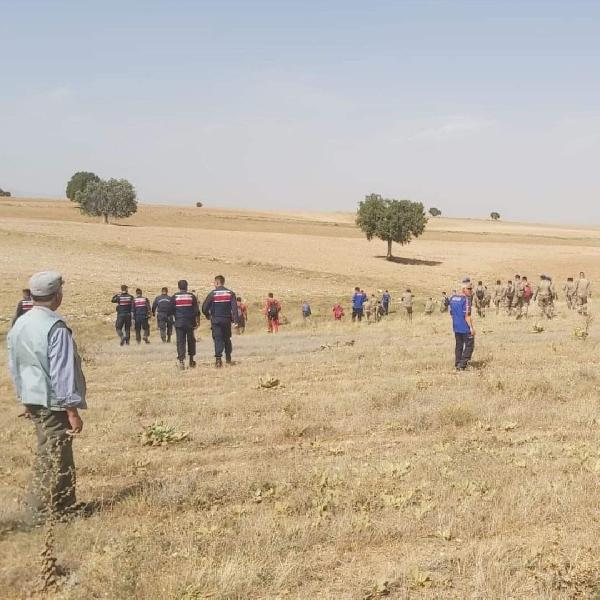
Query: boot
pixel 218 363
pixel 192 363
pixel 228 360
pixel 122 341
pixel 169 339
pixel 147 340
pixel 181 365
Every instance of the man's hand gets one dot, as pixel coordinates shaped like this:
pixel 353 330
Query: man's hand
pixel 26 414
pixel 472 333
pixel 74 420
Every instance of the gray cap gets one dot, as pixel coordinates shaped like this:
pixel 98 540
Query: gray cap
pixel 45 283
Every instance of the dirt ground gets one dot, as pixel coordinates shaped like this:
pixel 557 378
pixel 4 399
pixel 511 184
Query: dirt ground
pixel 372 470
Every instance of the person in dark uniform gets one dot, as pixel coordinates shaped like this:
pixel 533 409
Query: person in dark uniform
pixel 24 305
pixel 220 306
pixel 124 302
pixel 184 307
pixel 141 316
pixel 161 309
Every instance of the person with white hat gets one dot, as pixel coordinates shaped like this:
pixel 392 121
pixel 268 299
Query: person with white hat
pixel 46 371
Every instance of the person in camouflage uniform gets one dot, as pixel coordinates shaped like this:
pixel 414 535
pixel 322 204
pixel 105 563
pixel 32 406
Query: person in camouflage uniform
pixel 527 295
pixel 497 296
pixel 429 306
pixel 444 302
pixel 508 296
pixel 582 293
pixel 479 299
pixel 517 303
pixel 545 295
pixel 569 290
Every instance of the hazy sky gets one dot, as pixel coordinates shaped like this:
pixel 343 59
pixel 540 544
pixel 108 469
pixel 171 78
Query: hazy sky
pixel 468 106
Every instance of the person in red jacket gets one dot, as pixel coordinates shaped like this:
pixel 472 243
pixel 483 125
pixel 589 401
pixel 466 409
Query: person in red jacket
pixel 271 311
pixel 338 311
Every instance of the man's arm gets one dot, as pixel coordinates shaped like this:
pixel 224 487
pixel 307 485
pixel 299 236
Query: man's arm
pixel 207 305
pixel 234 308
pixel 115 299
pixel 61 362
pixel 147 306
pixel 196 309
pixel 154 306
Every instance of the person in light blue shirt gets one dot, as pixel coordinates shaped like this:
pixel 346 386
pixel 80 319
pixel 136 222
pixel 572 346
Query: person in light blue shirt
pixel 46 371
pixel 386 299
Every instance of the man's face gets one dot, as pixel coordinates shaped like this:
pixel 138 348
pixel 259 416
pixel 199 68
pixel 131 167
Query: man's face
pixel 216 283
pixel 468 291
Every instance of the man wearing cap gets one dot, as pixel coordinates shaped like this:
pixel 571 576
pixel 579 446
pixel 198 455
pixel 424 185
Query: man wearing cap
pixel 462 324
pixel 24 305
pixel 124 302
pixel 220 306
pixel 184 307
pixel 46 371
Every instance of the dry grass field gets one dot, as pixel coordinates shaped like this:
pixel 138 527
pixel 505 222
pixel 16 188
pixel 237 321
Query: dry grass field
pixel 373 469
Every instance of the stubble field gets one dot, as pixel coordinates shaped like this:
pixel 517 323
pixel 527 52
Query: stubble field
pixel 372 470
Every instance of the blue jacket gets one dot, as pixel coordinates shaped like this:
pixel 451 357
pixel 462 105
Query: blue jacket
pixel 220 305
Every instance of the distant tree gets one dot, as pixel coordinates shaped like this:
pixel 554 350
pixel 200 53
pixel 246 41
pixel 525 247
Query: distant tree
pixel 199 205
pixel 78 182
pixel 4 194
pixel 435 212
pixel 495 216
pixel 113 198
pixel 390 220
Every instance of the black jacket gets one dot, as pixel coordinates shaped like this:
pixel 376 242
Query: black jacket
pixel 141 307
pixel 184 306
pixel 162 305
pixel 124 302
pixel 220 305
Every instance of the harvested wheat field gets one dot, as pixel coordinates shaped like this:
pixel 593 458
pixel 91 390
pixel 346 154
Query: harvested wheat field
pixel 372 469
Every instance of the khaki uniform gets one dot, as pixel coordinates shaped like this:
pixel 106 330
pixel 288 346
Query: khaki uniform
pixel 508 296
pixel 479 300
pixel 497 297
pixel 368 308
pixel 407 303
pixel 517 303
pixel 429 307
pixel 569 290
pixel 545 294
pixel 582 293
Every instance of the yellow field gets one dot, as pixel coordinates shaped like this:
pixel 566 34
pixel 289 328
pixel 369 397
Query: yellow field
pixel 372 470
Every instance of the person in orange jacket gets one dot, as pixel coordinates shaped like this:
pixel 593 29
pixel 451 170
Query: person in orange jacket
pixel 271 311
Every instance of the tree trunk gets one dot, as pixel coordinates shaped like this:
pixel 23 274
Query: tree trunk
pixel 106 218
pixel 389 250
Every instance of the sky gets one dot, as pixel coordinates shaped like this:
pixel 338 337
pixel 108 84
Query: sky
pixel 471 107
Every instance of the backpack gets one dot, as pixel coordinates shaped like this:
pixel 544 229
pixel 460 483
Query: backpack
pixel 272 311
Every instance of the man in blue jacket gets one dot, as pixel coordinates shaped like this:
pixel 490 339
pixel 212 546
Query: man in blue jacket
pixel 462 324
pixel 358 299
pixel 220 306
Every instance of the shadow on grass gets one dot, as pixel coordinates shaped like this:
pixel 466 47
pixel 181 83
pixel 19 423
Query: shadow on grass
pixel 399 260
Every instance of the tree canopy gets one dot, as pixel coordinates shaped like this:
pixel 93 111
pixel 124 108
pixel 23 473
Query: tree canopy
pixel 113 198
pixel 495 216
pixel 78 182
pixel 390 220
pixel 435 212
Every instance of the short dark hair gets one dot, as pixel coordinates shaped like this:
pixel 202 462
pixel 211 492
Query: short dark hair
pixel 357 289
pixel 220 279
pixel 27 291
pixel 182 284
pixel 165 290
pixel 124 288
pixel 510 281
pixel 138 291
pixel 270 294
pixel 480 283
pixel 498 282
pixel 239 298
pixel 524 277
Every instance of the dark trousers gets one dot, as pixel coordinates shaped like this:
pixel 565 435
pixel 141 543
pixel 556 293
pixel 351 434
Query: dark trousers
pixel 185 337
pixel 357 313
pixel 165 326
pixel 465 344
pixel 221 332
pixel 123 323
pixel 52 487
pixel 386 308
pixel 142 324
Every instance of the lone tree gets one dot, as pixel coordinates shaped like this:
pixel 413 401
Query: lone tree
pixel 390 220
pixel 435 212
pixel 495 216
pixel 113 198
pixel 78 183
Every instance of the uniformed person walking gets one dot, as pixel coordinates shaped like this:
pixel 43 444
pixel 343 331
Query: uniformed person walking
pixel 480 294
pixel 508 295
pixel 220 306
pixel 583 290
pixel 517 303
pixel 46 371
pixel 498 295
pixel 569 290
pixel 124 302
pixel 184 307
pixel 24 305
pixel 407 303
pixel 161 309
pixel 544 294
pixel 141 317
